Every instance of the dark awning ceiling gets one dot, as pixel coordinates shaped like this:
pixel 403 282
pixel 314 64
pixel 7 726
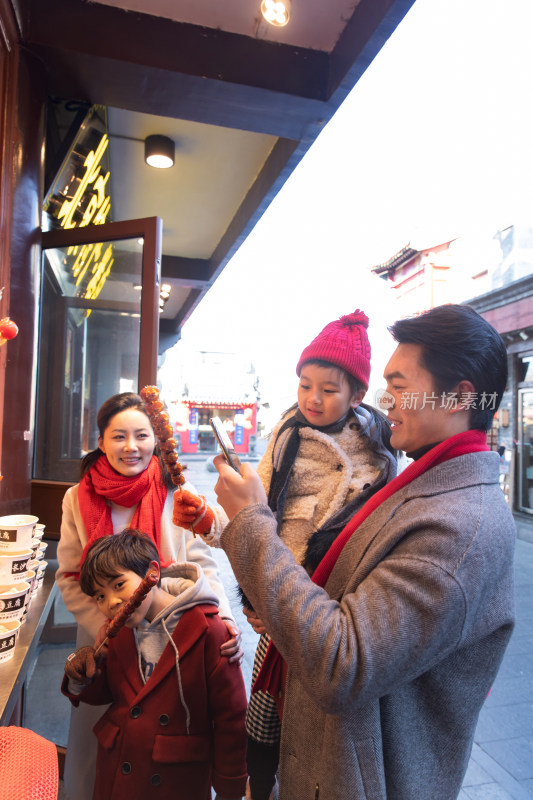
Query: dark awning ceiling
pixel 242 100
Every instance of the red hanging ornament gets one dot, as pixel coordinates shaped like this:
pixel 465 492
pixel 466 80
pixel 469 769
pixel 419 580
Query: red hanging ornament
pixel 8 330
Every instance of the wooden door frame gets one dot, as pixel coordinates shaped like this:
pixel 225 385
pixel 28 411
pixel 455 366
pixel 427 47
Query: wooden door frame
pixel 150 229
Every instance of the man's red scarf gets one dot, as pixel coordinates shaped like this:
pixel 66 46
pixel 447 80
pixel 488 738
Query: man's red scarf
pixel 269 678
pixel 102 485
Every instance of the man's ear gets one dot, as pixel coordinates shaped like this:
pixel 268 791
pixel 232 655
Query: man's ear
pixel 466 396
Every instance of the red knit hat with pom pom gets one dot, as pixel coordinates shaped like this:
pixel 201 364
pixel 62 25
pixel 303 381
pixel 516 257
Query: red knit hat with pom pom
pixel 343 343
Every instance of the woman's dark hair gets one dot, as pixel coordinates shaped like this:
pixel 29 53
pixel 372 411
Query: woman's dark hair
pixel 112 406
pixel 458 344
pixel 355 385
pixel 130 550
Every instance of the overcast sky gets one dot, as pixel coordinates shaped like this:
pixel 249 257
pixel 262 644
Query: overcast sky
pixel 435 141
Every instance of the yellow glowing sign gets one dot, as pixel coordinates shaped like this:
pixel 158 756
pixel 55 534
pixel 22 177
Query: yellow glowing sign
pixel 93 180
pixel 91 261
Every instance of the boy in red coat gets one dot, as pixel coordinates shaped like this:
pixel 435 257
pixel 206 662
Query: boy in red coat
pixel 176 720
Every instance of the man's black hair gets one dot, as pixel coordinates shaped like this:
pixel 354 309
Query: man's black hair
pixel 458 344
pixel 130 550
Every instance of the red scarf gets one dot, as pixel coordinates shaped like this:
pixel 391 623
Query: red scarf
pixel 101 483
pixel 269 678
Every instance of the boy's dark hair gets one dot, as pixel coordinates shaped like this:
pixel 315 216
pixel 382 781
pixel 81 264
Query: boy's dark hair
pixel 114 405
pixel 130 550
pixel 458 344
pixel 355 385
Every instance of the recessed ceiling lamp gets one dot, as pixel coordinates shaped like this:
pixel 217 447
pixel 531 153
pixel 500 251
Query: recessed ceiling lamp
pixel 164 294
pixel 276 12
pixel 159 151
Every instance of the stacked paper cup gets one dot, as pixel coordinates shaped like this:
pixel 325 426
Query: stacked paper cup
pixel 16 534
pixel 8 638
pixel 39 555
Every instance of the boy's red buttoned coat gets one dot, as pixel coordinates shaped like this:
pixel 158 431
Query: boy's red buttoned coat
pixel 144 746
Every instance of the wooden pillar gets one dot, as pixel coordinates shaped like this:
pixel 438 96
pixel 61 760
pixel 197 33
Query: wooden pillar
pixel 22 106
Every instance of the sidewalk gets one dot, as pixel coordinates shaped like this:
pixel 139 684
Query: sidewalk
pixel 501 766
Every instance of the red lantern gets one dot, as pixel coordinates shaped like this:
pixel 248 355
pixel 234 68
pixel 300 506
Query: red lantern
pixel 8 330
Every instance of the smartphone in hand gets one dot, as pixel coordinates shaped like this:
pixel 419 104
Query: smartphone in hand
pixel 225 444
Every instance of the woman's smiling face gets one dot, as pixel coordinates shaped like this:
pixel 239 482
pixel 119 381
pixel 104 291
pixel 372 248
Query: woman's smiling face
pixel 128 442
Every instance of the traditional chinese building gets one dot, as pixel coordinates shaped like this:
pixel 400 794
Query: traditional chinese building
pixel 215 384
pixel 495 277
pixel 422 277
pixel 508 306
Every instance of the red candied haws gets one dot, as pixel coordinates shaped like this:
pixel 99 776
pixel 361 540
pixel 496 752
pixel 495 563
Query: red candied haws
pixel 163 430
pixel 168 446
pixel 120 618
pixel 149 393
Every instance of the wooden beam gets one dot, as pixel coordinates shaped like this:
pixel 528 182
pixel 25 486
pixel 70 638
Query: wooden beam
pixel 192 272
pixel 170 329
pixel 370 26
pixel 109 32
pixel 280 163
pixel 111 57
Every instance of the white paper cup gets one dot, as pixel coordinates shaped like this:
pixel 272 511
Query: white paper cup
pixel 41 566
pixel 13 598
pixel 16 532
pixel 8 638
pixel 14 566
pixel 31 578
pixel 38 532
pixel 34 585
pixel 41 550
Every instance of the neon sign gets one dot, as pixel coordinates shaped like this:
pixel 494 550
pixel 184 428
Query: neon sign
pixel 90 259
pixel 99 204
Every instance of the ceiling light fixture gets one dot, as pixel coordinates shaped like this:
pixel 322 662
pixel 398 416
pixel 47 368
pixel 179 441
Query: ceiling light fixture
pixel 164 294
pixel 276 12
pixel 159 151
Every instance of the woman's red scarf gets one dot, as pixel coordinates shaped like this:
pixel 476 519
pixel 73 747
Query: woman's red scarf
pixel 269 678
pixel 101 485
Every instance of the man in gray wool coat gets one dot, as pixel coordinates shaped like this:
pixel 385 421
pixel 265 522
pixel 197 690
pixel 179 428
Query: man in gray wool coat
pixel 389 649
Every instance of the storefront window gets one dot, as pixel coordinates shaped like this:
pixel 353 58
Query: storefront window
pixel 525 451
pixel 526 369
pixel 89 347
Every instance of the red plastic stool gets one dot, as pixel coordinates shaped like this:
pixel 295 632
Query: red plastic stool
pixel 28 765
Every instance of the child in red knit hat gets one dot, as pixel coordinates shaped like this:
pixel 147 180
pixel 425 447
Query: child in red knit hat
pixel 328 454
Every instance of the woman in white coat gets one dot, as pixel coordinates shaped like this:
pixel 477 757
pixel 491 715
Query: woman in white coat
pixel 124 483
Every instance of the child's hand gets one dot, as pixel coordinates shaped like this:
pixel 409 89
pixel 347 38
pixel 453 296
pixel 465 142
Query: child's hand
pixel 254 620
pixel 81 665
pixel 232 648
pixel 100 643
pixel 192 512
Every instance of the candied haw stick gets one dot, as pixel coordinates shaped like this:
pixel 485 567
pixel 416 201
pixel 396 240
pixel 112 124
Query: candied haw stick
pixel 120 618
pixel 159 419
